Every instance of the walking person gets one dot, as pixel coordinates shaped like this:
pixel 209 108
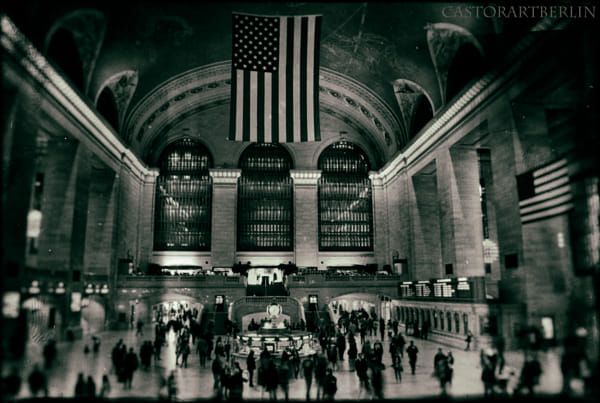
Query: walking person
pixel 90 388
pixel 236 383
pixel 362 367
pixel 412 352
pixel 307 370
pixel 329 386
pixel 382 328
pixel 130 365
pixel 80 386
pixel 105 387
pixel 468 340
pixel 37 382
pixel 251 367
pixel 397 365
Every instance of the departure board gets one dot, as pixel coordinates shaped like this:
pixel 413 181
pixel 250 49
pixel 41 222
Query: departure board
pixel 463 288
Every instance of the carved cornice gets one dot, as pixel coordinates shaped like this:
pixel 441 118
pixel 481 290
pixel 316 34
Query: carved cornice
pixel 305 177
pixel 225 176
pixel 376 179
pixel 208 86
pixel 88 28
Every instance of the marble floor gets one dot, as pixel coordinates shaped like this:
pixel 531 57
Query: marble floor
pixel 195 382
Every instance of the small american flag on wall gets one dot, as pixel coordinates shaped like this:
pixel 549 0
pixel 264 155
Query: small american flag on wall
pixel 544 192
pixel 275 79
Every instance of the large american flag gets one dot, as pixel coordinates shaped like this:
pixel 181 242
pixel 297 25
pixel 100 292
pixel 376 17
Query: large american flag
pixel 544 192
pixel 275 79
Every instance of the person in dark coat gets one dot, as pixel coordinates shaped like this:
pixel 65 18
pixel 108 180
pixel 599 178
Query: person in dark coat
pixel 382 328
pixel 251 367
pixel 90 388
pixel 130 365
pixel 37 382
pixel 329 386
pixel 49 353
pixel 307 370
pixel 320 372
pixel 412 352
pixel 362 367
pixel 236 383
pixel 271 379
pixel 11 384
pixel 80 386
pixel 341 345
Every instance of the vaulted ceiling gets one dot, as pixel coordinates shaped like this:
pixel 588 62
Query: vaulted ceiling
pixel 384 59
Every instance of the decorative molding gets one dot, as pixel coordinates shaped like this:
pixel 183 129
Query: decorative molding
pixel 123 86
pixel 444 40
pixel 227 176
pixel 52 86
pixel 376 179
pixel 305 177
pixel 88 28
pixel 210 85
pixel 469 101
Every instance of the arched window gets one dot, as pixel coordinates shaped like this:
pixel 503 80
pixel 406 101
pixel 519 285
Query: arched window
pixel 465 323
pixel 467 65
pixel 457 323
pixel 63 51
pixel 449 321
pixel 265 199
pixel 442 320
pixel 107 106
pixel 345 205
pixel 183 198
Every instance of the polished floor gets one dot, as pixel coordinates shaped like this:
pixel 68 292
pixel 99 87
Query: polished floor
pixel 194 382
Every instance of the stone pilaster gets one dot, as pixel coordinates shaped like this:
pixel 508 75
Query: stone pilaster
pixel 306 216
pixel 224 203
pixel 380 221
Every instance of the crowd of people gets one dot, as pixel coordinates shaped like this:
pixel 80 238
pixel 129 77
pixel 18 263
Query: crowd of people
pixel 355 343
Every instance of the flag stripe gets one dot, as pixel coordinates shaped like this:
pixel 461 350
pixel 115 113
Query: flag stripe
pixel 275 109
pixel 260 113
pixel 316 115
pixel 275 84
pixel 297 77
pixel 267 110
pixel 233 108
pixel 289 83
pixel 303 74
pixel 253 105
pixel 546 214
pixel 239 118
pixel 310 82
pixel 246 107
pixel 546 195
pixel 283 52
pixel 545 192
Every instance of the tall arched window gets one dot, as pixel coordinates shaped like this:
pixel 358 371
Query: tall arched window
pixel 345 205
pixel 183 198
pixel 265 199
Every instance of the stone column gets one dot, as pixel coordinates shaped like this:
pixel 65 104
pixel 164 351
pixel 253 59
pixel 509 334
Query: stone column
pixel 460 211
pixel 224 216
pixel 380 221
pixel 306 216
pixel 146 224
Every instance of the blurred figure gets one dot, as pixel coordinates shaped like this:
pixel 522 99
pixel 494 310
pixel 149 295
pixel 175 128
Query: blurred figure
pixel 90 388
pixel 236 383
pixel 377 381
pixel 80 386
pixel 530 375
pixel 412 352
pixel 37 382
pixel 362 368
pixel 49 353
pixel 329 386
pixel 397 365
pixel 104 387
pixel 307 371
pixel 11 384
pixel 251 367
pixel 130 365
